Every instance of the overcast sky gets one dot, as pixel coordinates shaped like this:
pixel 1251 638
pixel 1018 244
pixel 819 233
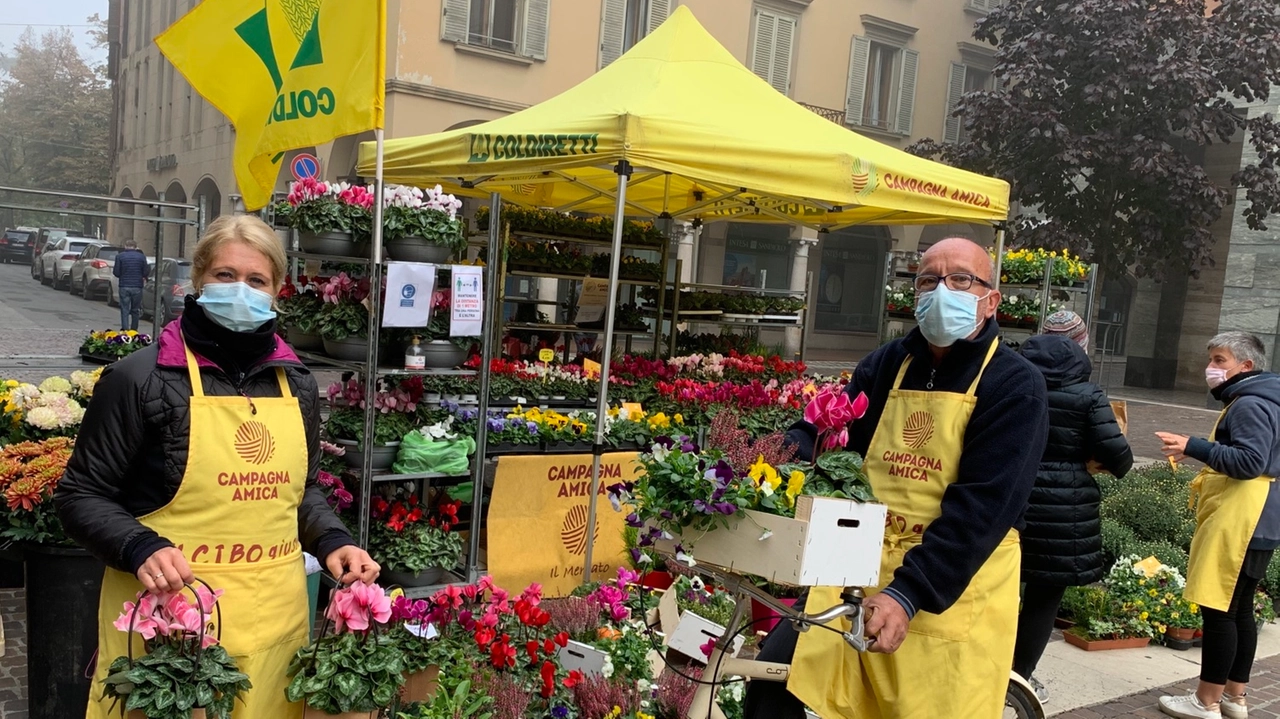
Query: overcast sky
pixel 43 15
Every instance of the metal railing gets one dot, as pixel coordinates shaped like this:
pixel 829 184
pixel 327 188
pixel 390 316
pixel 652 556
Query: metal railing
pixel 836 116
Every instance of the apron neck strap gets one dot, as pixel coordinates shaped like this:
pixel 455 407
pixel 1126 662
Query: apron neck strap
pixel 991 351
pixel 1218 421
pixel 197 384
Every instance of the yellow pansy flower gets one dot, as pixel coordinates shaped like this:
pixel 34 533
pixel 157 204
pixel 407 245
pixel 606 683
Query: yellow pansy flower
pixel 795 485
pixel 763 473
pixel 1143 616
pixel 659 421
pixel 678 418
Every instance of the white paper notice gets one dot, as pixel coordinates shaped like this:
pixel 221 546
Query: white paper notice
pixel 409 289
pixel 467 300
pixel 595 294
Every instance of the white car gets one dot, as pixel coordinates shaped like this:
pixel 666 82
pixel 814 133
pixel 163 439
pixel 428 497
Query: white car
pixel 113 283
pixel 91 272
pixel 55 264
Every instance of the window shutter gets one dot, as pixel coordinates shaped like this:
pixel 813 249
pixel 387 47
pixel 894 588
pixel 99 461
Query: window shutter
pixel 658 12
pixel 859 58
pixel 784 32
pixel 907 91
pixel 955 90
pixel 612 30
pixel 537 16
pixel 762 52
pixel 455 20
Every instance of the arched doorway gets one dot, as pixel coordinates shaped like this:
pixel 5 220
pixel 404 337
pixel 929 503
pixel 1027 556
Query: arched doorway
pixel 207 192
pixel 173 234
pixel 145 232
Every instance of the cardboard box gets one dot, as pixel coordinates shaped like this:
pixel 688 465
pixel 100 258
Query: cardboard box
pixel 830 543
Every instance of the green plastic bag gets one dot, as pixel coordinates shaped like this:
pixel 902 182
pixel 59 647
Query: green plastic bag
pixel 419 453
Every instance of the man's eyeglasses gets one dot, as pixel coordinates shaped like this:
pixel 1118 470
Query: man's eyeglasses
pixel 958 281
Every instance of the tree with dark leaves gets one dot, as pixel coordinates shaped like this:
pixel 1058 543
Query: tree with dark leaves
pixel 1101 111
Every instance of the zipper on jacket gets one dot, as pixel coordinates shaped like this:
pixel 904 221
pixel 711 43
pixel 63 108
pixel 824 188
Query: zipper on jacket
pixel 932 373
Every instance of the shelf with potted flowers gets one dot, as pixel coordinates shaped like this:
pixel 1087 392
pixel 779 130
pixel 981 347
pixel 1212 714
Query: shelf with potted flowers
pixel 331 218
pixel 298 305
pixel 421 226
pixel 395 409
pixel 414 546
pixel 344 317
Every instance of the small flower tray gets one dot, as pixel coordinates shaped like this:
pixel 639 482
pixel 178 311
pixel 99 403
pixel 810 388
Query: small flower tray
pixel 582 657
pixel 830 543
pixel 691 632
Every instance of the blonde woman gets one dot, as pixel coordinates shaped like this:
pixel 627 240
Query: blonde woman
pixel 198 457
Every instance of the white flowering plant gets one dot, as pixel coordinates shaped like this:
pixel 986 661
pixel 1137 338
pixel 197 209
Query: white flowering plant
pixel 431 214
pixel 40 412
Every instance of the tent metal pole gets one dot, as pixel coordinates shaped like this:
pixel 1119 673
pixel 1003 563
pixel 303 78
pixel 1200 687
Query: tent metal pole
pixel 999 256
pixel 487 345
pixel 371 349
pixel 602 404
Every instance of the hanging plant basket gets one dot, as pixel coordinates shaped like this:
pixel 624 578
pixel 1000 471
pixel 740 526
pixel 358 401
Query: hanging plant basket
pixel 339 244
pixel 418 249
pixel 351 349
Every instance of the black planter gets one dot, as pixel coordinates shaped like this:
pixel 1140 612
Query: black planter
pixel 62 629
pixel 12 574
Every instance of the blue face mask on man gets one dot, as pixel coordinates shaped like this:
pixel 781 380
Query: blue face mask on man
pixel 946 315
pixel 236 306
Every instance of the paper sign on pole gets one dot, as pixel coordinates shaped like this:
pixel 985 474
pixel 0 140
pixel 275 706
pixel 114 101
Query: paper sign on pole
pixel 311 268
pixel 538 520
pixel 595 295
pixel 591 368
pixel 468 301
pixel 409 289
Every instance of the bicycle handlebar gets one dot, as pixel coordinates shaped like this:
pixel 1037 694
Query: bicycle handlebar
pixel 850 607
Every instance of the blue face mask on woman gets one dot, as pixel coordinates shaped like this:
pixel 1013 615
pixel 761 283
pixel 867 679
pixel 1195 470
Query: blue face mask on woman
pixel 236 306
pixel 946 315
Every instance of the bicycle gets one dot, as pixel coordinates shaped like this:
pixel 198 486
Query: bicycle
pixel 1020 698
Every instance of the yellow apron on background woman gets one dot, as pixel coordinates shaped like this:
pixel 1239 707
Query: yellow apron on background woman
pixel 1227 513
pixel 235 518
pixel 954 664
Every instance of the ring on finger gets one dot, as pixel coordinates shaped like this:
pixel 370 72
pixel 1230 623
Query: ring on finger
pixel 159 576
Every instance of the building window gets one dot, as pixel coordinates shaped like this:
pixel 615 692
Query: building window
pixel 974 75
pixel 849 276
pixel 771 48
pixel 882 86
pixel 623 23
pixel 882 78
pixel 636 24
pixel 518 27
pixel 757 255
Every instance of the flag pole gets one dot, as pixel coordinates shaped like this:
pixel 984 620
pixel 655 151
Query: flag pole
pixel 375 325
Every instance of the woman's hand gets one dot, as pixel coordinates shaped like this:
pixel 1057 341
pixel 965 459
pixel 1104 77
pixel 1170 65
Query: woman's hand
pixel 351 563
pixel 1175 445
pixel 165 571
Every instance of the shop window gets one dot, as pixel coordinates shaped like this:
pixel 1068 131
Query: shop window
pixel 623 23
pixel 849 275
pixel 757 255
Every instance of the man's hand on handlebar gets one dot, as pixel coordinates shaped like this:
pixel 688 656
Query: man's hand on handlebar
pixel 886 623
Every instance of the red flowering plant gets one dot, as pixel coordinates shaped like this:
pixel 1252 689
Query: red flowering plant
pixel 298 305
pixel 344 312
pixel 318 207
pixel 405 538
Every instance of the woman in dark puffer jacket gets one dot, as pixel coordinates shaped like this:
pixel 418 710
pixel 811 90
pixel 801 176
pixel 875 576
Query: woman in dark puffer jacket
pixel 1062 544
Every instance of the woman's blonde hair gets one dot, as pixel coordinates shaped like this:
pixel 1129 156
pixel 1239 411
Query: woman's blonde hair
pixel 239 228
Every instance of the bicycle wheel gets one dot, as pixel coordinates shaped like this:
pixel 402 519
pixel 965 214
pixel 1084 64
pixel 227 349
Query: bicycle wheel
pixel 1021 703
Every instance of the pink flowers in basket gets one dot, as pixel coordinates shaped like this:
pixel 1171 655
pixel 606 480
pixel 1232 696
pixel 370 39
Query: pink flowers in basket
pixel 830 412
pixel 357 607
pixel 171 616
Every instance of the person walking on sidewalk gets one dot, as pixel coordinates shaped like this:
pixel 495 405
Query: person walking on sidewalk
pixel 1237 504
pixel 131 269
pixel 1062 544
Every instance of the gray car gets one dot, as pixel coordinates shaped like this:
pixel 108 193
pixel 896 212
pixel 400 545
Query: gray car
pixel 174 277
pixel 55 264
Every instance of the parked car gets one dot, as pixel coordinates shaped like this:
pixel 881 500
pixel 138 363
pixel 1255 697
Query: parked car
pixel 17 244
pixel 113 283
pixel 55 264
pixel 91 270
pixel 46 238
pixel 174 277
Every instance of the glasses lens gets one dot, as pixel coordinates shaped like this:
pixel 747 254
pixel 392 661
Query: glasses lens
pixel 926 283
pixel 960 282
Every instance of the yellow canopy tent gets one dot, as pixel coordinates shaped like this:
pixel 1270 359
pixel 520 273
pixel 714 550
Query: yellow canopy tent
pixel 677 127
pixel 704 136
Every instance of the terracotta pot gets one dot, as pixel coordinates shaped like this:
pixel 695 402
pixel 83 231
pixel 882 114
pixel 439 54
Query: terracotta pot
pixel 1182 634
pixel 421 686
pixel 195 714
pixel 1104 644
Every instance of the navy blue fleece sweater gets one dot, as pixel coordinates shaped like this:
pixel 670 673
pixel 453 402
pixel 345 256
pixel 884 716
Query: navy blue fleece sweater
pixel 1003 444
pixel 1248 443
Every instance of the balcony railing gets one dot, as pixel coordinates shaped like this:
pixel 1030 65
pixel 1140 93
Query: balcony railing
pixel 836 116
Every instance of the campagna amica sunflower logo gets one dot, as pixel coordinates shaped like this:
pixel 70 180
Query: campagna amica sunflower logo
pixel 864 177
pixel 918 430
pixel 574 530
pixel 254 443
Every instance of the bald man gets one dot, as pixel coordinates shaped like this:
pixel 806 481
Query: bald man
pixel 956 428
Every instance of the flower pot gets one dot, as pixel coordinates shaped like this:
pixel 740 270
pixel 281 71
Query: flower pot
pixel 1105 644
pixel 443 354
pixel 470 399
pixel 384 455
pixel 425 578
pixel 421 686
pixel 352 349
pixel 63 585
pixel 454 398
pixel 432 397
pixel 504 448
pixel 418 249
pixel 657 580
pixel 557 398
pixel 1184 634
pixel 310 713
pixel 305 341
pixel 1062 623
pixel 339 244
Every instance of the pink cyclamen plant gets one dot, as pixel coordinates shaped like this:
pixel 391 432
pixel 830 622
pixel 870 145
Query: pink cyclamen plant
pixel 357 607
pixel 171 617
pixel 830 412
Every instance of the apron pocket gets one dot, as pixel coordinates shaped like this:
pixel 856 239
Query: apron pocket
pixel 952 625
pixel 264 605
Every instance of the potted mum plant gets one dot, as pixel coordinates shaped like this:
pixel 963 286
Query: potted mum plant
pixel 332 218
pixel 414 548
pixel 344 317
pixel 184 672
pixel 356 671
pixel 299 306
pixel 421 226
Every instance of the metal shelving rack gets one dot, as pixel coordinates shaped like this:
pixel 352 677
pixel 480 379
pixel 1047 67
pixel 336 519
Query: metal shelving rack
pixel 676 316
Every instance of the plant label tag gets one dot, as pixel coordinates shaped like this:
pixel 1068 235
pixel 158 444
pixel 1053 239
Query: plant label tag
pixel 633 410
pixel 591 369
pixel 1149 566
pixel 546 354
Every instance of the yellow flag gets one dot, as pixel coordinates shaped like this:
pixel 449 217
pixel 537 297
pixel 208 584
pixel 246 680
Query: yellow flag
pixel 287 73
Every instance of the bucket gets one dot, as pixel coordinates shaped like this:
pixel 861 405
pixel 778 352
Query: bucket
pixel 62 629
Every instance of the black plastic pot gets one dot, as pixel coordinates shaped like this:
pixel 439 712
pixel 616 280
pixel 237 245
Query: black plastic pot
pixel 12 574
pixel 63 585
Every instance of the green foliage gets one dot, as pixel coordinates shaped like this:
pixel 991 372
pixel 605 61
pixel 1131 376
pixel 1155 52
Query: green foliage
pixel 1151 516
pixel 1146 513
pixel 301 312
pixel 461 703
pixel 347 673
pixel 629 653
pixel 344 319
pixel 414 548
pixel 169 681
pixel 1166 552
pixel 348 423
pixel 548 222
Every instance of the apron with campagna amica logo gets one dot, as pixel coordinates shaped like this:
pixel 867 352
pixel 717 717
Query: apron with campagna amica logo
pixel 954 664
pixel 235 518
pixel 1227 513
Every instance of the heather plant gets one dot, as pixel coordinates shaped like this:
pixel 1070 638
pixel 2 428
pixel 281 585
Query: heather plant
pixel 597 696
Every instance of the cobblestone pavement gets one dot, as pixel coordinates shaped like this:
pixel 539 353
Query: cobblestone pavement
pixel 1264 697
pixel 13 665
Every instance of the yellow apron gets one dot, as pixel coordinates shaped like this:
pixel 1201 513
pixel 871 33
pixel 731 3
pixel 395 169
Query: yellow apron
pixel 954 664
pixel 235 518
pixel 1227 513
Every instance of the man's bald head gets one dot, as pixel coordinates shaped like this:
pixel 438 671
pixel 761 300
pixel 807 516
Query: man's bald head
pixel 958 254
